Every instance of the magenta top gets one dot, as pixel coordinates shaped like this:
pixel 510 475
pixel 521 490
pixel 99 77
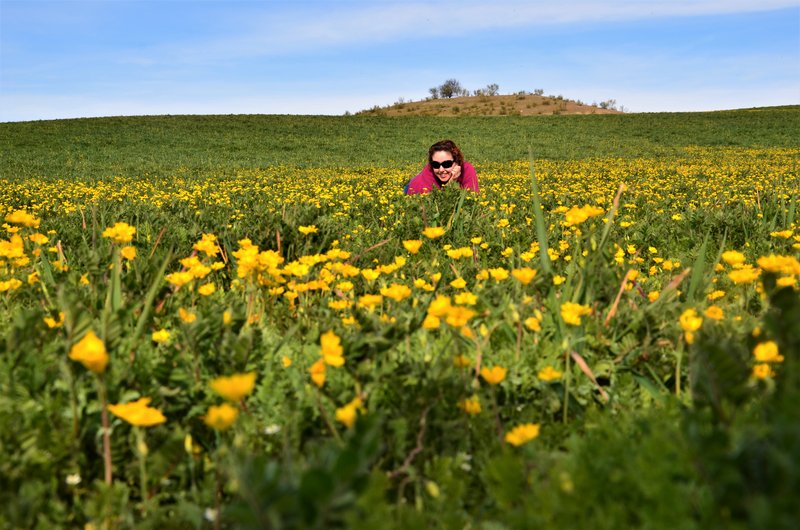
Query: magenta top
pixel 426 181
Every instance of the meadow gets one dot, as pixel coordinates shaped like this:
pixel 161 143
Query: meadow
pixel 242 322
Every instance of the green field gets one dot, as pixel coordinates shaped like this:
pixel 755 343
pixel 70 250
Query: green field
pixel 607 336
pixel 214 145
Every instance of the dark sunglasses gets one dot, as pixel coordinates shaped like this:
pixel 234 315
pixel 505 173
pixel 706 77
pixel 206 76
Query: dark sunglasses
pixel 447 164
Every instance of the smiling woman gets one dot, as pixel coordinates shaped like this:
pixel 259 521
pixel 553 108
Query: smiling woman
pixel 445 164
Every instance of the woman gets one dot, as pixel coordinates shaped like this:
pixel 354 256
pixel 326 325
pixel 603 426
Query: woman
pixel 445 164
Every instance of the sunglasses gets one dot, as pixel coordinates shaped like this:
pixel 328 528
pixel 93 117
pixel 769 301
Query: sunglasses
pixel 447 164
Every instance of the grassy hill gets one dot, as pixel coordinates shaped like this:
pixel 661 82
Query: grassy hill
pixel 505 105
pixel 215 145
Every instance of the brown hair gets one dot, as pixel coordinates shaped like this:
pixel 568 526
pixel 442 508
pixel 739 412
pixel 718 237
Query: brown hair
pixel 450 147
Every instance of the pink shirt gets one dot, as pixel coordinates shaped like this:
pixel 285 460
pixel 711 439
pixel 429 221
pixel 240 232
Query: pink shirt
pixel 426 181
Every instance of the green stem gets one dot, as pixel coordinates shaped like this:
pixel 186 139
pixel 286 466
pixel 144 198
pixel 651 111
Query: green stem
pixel 567 379
pixel 141 449
pixel 101 388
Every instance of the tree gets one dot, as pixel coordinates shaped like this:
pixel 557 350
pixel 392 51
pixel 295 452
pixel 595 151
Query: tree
pixel 450 88
pixel 434 92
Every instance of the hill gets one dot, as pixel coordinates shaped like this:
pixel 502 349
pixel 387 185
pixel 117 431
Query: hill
pixel 523 104
pixel 224 145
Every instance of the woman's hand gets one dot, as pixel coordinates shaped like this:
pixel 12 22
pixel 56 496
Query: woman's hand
pixel 448 175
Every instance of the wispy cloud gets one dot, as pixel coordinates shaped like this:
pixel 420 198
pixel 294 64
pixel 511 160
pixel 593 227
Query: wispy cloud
pixel 266 32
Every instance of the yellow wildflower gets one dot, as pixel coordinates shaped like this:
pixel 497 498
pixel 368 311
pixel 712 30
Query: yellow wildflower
pixel 522 434
pixel 128 252
pixel 396 292
pixel 548 373
pixel 207 289
pixel 221 417
pixel 138 413
pixel 524 275
pixel 348 413
pixel 90 351
pixel 714 312
pixel 767 352
pixel 234 387
pixel 433 232
pixel 471 405
pixel 744 275
pixel 494 375
pixel 120 233
pixel 572 313
pixel 21 217
pixel 305 230
pixel 317 372
pixel 161 336
pixel 332 351
pixel 186 316
pixel 412 245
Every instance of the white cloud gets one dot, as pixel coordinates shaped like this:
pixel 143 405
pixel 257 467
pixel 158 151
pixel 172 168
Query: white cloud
pixel 265 32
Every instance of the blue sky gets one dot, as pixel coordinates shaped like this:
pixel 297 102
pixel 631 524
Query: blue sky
pixel 76 58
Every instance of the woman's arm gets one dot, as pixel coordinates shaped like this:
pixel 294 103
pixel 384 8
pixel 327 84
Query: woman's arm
pixel 469 178
pixel 424 182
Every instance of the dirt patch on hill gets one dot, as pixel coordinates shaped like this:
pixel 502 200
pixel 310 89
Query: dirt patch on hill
pixel 511 105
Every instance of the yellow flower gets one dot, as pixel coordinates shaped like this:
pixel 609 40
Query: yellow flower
pixel 785 234
pixel 788 265
pixel 138 413
pixel 412 245
pixel 286 362
pixel 572 313
pixel 462 361
pixel 465 298
pixel 90 352
pixel 762 371
pixel 207 289
pixel 471 405
pixel 161 336
pixel 498 274
pixel 305 230
pixel 84 279
pixel 186 316
pixel 128 252
pixel 21 217
pixel 558 280
pixel 433 232
pixel 524 275
pixel 548 373
pixel 369 301
pixel 9 285
pixel 533 324
pixel 494 375
pixel 227 318
pixel 733 257
pixel 208 245
pixel 431 322
pixel 767 352
pixel 332 351
pixel 744 275
pixel 39 239
pixel 235 387
pixel 348 413
pixel 396 292
pixel 120 233
pixel 370 274
pixel 179 279
pixel 53 323
pixel 653 295
pixel 715 295
pixel 690 322
pixel 458 283
pixel 714 312
pixel 317 371
pixel 522 434
pixel 458 316
pixel 221 417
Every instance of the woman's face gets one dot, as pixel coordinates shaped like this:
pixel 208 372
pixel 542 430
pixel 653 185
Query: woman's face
pixel 442 159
